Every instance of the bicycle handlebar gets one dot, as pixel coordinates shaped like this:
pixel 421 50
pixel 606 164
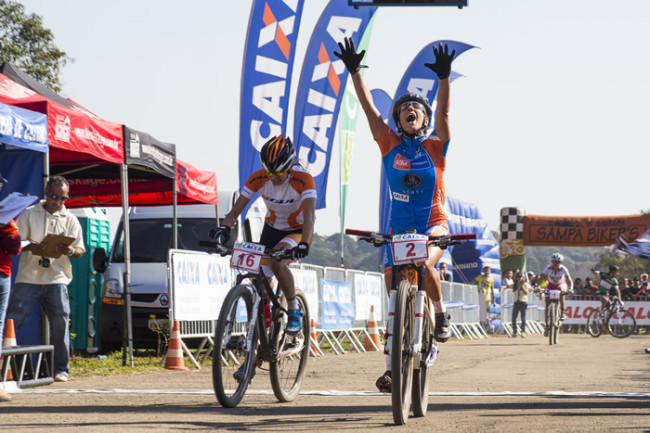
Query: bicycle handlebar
pixel 223 250
pixel 379 239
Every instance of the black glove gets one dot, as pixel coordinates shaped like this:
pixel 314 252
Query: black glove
pixel 300 251
pixel 442 67
pixel 220 234
pixel 350 57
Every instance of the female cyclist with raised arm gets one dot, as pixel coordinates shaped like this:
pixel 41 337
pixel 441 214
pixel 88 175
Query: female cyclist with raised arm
pixel 414 163
pixel 289 193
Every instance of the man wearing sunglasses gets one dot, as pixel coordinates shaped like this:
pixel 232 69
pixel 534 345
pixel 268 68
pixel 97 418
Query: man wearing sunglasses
pixel 46 279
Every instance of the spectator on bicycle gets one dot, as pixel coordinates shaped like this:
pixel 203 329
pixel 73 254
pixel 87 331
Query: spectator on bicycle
pixel 485 285
pixel 289 193
pixel 414 162
pixel 607 286
pixel 558 278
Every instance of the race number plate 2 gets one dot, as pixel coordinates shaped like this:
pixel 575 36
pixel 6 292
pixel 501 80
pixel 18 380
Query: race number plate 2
pixel 247 256
pixel 411 247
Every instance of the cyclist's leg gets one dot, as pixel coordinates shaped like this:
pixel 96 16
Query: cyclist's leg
pixel 563 288
pixel 433 286
pixel 286 283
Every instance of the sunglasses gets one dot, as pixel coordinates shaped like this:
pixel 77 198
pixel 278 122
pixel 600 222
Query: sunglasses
pixel 56 197
pixel 416 105
pixel 277 173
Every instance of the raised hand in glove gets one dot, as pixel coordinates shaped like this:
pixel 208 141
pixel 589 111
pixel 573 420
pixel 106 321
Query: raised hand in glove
pixel 442 67
pixel 220 234
pixel 350 57
pixel 300 251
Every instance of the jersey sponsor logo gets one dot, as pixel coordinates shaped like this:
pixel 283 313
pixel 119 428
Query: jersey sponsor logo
pixel 401 163
pixel 276 201
pixel 411 180
pixel 401 197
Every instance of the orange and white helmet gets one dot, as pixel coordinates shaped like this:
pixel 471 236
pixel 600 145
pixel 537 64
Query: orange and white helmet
pixel 277 154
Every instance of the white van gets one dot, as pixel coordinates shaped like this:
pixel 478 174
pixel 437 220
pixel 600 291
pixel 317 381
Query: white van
pixel 151 238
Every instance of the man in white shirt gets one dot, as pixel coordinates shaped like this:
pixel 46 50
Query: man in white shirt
pixel 46 279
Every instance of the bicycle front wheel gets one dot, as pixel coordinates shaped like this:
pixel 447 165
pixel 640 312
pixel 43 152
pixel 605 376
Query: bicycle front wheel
pixel 402 359
pixel 235 341
pixel 552 323
pixel 621 323
pixel 421 375
pixel 593 323
pixel 288 370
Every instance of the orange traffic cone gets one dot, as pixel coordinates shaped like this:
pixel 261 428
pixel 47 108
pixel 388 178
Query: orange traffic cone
pixel 10 334
pixel 315 350
pixel 174 357
pixel 373 331
pixel 9 340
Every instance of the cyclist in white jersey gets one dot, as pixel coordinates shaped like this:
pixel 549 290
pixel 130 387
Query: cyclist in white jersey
pixel 558 278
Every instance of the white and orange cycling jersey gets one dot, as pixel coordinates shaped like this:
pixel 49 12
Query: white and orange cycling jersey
pixel 556 278
pixel 284 202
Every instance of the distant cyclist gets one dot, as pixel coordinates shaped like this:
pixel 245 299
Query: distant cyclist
pixel 558 278
pixel 608 285
pixel 290 197
pixel 414 162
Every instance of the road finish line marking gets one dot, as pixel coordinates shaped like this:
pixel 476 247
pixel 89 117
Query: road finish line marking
pixel 334 393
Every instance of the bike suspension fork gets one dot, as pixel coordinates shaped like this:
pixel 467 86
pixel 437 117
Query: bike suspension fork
pixel 420 300
pixel 391 315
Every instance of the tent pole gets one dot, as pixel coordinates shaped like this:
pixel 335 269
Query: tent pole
pixel 128 321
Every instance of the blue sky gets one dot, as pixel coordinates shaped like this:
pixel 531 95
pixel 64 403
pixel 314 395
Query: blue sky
pixel 550 115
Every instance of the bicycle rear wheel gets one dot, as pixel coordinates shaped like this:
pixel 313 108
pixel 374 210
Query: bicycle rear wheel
pixel 621 323
pixel 402 359
pixel 288 370
pixel 593 323
pixel 421 375
pixel 231 349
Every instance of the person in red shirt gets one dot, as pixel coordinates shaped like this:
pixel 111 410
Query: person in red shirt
pixel 9 246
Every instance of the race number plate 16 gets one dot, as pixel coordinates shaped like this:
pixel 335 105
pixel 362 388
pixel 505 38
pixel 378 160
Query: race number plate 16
pixel 247 256
pixel 409 248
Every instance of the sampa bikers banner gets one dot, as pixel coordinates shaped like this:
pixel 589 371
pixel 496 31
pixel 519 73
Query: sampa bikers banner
pixel 266 82
pixel 321 86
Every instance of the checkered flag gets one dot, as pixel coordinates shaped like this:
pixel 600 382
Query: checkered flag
pixel 512 223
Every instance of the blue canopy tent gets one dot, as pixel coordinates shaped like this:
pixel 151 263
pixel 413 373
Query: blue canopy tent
pixel 23 147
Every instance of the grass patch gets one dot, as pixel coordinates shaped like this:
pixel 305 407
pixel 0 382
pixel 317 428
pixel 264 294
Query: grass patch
pixel 85 365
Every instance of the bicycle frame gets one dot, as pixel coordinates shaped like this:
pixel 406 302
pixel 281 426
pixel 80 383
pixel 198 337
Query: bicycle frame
pixel 261 284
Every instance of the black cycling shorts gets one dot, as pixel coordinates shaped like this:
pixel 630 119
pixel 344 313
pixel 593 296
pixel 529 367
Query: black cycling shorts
pixel 271 237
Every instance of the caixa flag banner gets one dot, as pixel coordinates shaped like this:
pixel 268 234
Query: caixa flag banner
pixel 320 90
pixel 266 79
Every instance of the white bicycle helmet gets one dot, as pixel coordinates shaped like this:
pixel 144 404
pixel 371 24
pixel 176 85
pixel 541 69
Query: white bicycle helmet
pixel 557 257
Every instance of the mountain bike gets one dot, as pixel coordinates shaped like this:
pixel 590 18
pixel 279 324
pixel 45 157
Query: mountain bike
pixel 619 322
pixel 410 340
pixel 242 340
pixel 553 319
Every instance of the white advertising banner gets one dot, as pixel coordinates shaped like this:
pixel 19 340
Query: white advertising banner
pixel 199 283
pixel 307 281
pixel 578 311
pixel 368 292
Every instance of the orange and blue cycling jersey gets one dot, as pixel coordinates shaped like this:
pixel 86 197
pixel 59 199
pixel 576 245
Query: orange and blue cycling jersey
pixel 414 168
